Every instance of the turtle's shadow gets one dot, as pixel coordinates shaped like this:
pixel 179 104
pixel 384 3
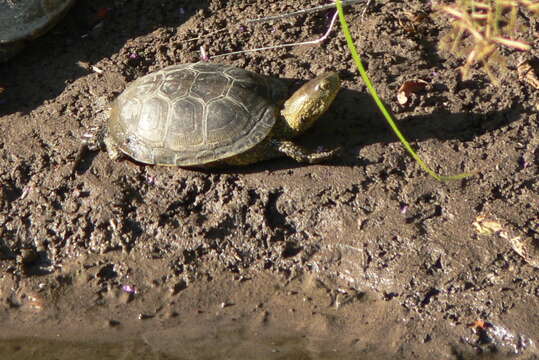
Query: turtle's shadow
pixel 354 121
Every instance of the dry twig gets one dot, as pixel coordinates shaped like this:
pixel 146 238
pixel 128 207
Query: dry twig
pixel 204 52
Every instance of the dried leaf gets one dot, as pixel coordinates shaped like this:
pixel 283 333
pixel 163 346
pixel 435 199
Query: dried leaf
pixel 527 73
pixel 479 324
pixel 103 12
pixel 486 226
pixel 525 246
pixel 408 88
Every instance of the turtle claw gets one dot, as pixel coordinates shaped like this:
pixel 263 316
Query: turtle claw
pixel 112 149
pixel 93 139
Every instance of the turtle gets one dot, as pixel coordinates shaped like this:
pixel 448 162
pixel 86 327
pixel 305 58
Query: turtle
pixel 206 115
pixel 21 20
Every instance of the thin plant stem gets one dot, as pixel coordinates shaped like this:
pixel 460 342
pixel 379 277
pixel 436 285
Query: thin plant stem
pixel 380 104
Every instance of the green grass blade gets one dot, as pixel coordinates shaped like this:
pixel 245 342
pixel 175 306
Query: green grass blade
pixel 381 106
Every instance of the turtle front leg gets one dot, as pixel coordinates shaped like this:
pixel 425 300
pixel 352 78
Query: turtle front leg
pixel 301 154
pixel 93 140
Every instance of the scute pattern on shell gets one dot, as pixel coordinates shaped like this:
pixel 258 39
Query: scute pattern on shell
pixel 21 19
pixel 193 114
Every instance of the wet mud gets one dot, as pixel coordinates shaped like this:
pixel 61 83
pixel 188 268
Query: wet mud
pixel 362 257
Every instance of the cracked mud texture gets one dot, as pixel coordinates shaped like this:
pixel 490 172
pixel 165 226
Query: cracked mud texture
pixel 364 257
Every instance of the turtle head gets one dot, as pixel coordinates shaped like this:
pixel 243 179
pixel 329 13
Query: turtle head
pixel 310 101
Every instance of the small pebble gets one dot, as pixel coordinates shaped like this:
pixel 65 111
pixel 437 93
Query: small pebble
pixel 145 316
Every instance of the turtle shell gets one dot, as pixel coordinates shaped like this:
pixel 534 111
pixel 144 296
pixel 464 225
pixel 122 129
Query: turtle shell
pixel 22 19
pixel 193 114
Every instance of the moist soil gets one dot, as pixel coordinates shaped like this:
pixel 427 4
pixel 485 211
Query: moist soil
pixel 363 257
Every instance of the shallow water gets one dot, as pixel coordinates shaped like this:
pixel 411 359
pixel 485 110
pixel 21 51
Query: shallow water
pixel 298 348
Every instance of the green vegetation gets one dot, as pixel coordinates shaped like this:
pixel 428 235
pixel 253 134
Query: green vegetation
pixel 380 104
pixel 479 29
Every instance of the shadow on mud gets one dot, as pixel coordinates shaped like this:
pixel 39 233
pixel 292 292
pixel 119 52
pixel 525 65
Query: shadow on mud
pixel 354 121
pixel 92 31
pixel 271 348
pixel 235 346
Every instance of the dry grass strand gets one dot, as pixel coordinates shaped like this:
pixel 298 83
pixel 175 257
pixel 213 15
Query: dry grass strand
pixel 481 27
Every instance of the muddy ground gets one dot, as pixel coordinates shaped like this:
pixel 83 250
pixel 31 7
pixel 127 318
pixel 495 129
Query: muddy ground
pixel 364 257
